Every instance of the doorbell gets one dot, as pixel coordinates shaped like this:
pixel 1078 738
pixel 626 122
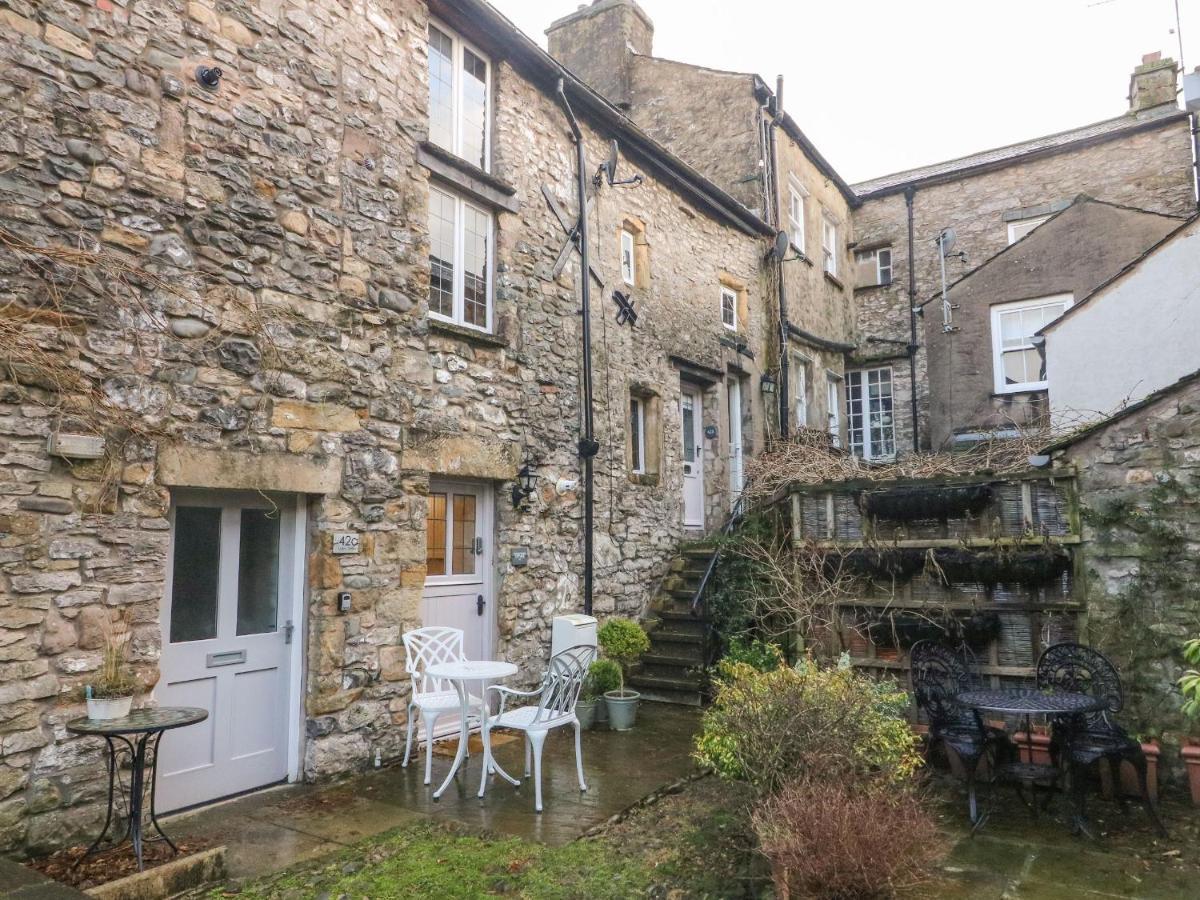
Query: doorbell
pixel 344 601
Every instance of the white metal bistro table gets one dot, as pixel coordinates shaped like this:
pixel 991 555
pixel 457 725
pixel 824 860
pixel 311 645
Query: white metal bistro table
pixel 458 674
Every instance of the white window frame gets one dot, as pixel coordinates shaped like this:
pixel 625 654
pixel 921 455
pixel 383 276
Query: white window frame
pixel 998 350
pixel 459 44
pixel 829 248
pixel 459 284
pixel 873 258
pixel 800 364
pixel 727 292
pixel 628 252
pixel 864 446
pixel 833 400
pixel 797 201
pixel 1028 224
pixel 637 413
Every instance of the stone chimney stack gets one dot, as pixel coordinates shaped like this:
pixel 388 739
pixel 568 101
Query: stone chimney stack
pixel 598 44
pixel 1153 83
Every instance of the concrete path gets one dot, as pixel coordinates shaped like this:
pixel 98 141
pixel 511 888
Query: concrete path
pixel 272 830
pixel 20 883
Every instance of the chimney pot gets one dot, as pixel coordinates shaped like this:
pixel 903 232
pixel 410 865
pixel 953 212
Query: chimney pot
pixel 1151 57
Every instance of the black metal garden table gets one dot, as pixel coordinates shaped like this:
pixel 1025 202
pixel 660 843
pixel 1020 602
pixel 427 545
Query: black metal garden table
pixel 134 734
pixel 1028 702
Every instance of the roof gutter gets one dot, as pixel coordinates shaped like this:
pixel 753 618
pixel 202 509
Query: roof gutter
pixel 817 341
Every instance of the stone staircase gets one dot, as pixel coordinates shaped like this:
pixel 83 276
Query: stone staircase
pixel 672 671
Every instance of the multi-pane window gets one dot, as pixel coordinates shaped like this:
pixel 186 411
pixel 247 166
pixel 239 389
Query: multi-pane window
pixel 800 396
pixel 637 435
pixel 871 428
pixel 458 97
pixel 628 260
pixel 833 403
pixel 450 526
pixel 1017 362
pixel 874 266
pixel 1022 227
pixel 829 244
pixel 796 196
pixel 460 269
pixel 729 305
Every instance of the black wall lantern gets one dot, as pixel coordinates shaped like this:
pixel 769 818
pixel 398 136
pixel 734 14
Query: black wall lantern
pixel 767 384
pixel 209 77
pixel 523 487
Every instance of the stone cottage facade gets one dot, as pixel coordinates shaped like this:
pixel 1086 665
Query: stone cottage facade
pixel 1140 159
pixel 277 349
pixel 988 373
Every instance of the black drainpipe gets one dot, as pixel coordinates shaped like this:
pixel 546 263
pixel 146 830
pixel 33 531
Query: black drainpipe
pixel 588 447
pixel 909 193
pixel 784 417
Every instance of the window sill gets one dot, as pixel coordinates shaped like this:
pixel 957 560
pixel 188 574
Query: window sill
pixel 463 332
pixel 646 479
pixel 872 287
pixel 801 255
pixel 471 180
pixel 1022 389
pixel 829 276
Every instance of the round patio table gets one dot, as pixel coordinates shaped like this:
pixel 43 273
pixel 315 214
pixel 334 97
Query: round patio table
pixel 134 734
pixel 459 673
pixel 1029 702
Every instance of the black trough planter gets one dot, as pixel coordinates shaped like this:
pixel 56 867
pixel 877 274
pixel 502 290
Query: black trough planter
pixel 909 503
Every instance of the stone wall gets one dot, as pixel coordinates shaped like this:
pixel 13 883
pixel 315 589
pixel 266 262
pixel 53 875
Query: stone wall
pixel 287 348
pixel 1148 169
pixel 1139 488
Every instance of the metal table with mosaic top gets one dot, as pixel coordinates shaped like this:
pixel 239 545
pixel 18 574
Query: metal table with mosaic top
pixel 134 734
pixel 1028 702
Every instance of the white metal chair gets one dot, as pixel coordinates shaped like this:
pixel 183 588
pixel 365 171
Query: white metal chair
pixel 434 697
pixel 555 708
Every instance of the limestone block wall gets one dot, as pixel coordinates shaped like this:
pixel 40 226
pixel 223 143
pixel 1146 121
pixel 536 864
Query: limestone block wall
pixel 251 313
pixel 1139 486
pixel 1148 169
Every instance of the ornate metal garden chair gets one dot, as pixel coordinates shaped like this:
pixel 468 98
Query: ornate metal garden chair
pixel 1081 740
pixel 434 697
pixel 939 675
pixel 555 708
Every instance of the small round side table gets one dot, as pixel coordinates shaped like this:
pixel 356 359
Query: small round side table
pixel 134 734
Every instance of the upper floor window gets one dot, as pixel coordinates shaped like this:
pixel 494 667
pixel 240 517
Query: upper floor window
pixel 628 257
pixel 459 92
pixel 870 426
pixel 1022 227
pixel 800 390
pixel 833 403
pixel 460 267
pixel 1018 364
pixel 874 266
pixel 729 308
pixel 796 195
pixel 829 244
pixel 637 435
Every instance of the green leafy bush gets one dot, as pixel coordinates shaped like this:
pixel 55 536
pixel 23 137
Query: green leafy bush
pixel 763 656
pixel 1189 684
pixel 769 729
pixel 623 641
pixel 604 675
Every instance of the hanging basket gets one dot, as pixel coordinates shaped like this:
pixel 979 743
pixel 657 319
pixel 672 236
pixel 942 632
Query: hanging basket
pixel 905 504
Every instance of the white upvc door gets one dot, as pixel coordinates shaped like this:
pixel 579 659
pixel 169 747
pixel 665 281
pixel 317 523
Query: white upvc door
pixel 691 409
pixel 734 396
pixel 231 641
pixel 458 564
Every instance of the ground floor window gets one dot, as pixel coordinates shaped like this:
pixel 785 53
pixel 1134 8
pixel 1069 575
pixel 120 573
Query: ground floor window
pixel 872 429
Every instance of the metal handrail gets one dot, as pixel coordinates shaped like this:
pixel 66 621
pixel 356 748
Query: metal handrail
pixel 735 516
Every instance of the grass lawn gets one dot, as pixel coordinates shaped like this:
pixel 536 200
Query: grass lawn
pixel 687 845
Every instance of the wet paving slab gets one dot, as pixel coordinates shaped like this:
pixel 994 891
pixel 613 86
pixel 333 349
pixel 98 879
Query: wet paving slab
pixel 271 830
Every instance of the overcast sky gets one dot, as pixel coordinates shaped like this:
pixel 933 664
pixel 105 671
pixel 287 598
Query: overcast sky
pixel 885 85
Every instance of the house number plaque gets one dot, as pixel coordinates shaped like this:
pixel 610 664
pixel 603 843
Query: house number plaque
pixel 346 542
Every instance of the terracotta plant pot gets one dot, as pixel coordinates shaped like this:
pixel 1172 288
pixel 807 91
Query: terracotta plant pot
pixel 1191 756
pixel 1033 748
pixel 1129 779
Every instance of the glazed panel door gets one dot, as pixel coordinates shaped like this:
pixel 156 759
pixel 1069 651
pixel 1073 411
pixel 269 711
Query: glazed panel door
pixel 691 409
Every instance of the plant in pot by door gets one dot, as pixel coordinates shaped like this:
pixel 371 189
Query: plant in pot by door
pixel 622 641
pixel 1189 685
pixel 603 675
pixel 110 693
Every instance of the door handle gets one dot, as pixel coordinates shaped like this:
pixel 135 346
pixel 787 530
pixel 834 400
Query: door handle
pixel 480 603
pixel 479 546
pixel 288 630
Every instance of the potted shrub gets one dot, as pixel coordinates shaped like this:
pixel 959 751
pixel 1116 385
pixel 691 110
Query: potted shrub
pixel 110 693
pixel 1189 684
pixel 603 675
pixel 622 641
